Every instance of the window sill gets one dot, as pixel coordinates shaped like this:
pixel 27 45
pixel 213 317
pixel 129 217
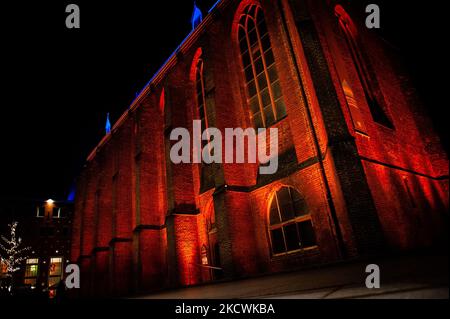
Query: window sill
pixel 309 250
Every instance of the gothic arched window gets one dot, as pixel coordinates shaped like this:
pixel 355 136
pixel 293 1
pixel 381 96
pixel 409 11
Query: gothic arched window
pixel 290 224
pixel 201 95
pixel 369 85
pixel 263 85
pixel 202 88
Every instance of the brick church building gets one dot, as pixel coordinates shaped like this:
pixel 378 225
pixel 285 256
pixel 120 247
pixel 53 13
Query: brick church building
pixel 361 171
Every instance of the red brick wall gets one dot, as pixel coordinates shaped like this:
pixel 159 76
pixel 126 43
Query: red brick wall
pixel 149 223
pixel 409 151
pixel 187 248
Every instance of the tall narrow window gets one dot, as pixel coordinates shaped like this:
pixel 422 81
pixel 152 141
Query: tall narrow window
pixel 201 95
pixel 370 87
pixel 207 170
pixel 55 271
pixel 261 76
pixel 290 223
pixel 31 271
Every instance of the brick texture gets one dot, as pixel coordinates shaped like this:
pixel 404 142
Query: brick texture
pixel 143 223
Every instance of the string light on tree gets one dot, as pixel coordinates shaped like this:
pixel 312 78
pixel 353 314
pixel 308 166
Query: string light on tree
pixel 12 253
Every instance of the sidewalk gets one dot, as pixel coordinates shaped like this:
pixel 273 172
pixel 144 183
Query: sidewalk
pixel 401 277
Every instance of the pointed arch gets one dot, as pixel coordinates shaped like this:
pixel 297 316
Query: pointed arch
pixel 197 77
pixel 201 94
pixel 202 84
pixel 264 96
pixel 372 93
pixel 290 224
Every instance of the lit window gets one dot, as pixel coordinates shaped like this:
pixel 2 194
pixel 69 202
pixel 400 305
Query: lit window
pixel 263 85
pixel 40 212
pixel 291 228
pixel 30 281
pixel 31 271
pixel 32 261
pixel 55 268
pixel 56 212
pixel 53 281
pixel 371 91
pixel 55 271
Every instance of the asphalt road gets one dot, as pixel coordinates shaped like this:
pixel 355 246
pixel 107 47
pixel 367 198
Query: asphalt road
pixel 410 277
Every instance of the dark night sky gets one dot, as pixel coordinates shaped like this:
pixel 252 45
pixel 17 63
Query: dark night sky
pixel 58 84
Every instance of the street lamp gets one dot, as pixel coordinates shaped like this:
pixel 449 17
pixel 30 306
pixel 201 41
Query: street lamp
pixel 50 202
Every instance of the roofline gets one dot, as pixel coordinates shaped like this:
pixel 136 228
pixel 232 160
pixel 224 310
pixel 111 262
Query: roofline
pixel 159 75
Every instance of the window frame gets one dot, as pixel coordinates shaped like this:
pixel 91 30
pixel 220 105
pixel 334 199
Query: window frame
pixel 201 90
pixel 200 77
pixel 58 210
pixel 372 94
pixel 39 210
pixel 30 262
pixel 255 13
pixel 60 275
pixel 283 224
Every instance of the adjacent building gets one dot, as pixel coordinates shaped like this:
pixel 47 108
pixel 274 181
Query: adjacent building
pixel 45 227
pixel 361 170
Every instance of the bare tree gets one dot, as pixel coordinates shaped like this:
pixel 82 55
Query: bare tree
pixel 12 253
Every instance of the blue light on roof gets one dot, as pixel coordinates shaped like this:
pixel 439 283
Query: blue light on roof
pixel 108 125
pixel 71 196
pixel 175 52
pixel 197 16
pixel 214 6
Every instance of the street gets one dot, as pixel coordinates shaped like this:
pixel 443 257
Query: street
pixel 408 277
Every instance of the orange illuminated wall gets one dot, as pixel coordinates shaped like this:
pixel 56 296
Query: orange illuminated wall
pixel 143 223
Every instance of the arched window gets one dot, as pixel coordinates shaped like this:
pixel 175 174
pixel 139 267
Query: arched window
pixel 291 227
pixel 370 87
pixel 201 95
pixel 261 76
pixel 207 170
